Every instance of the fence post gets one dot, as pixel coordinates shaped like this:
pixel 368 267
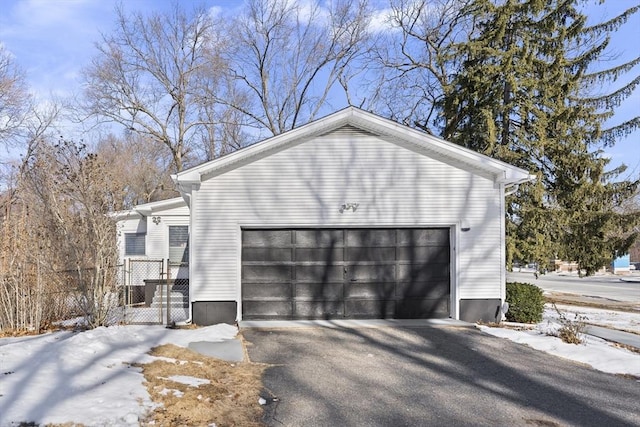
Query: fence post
pixel 168 293
pixel 127 268
pixel 126 282
pixel 161 293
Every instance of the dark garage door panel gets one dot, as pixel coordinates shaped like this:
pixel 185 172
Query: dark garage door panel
pixel 267 309
pixel 345 273
pixel 319 238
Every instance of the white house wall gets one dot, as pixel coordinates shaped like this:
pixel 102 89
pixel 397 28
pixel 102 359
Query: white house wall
pixel 158 239
pixel 304 186
pixel 157 234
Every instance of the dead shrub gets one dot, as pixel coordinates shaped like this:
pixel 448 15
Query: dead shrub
pixel 571 331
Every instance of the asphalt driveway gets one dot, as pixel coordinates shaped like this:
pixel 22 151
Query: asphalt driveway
pixel 429 376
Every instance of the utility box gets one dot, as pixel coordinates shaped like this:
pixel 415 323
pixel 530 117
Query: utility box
pixel 621 264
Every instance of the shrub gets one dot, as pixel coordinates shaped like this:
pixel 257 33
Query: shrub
pixel 526 303
pixel 571 331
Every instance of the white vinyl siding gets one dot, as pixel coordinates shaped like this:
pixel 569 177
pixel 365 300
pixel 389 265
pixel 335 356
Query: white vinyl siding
pixel 158 235
pixel 155 226
pixel 305 185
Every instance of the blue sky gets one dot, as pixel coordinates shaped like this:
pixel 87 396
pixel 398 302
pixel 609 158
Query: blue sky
pixel 53 39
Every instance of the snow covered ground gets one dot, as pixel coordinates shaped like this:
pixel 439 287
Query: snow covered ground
pixel 596 352
pixel 86 377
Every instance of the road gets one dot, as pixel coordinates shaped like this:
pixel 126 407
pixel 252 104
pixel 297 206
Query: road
pixel 601 286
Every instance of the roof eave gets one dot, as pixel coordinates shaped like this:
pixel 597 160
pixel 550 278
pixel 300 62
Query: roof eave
pixel 466 158
pixel 516 177
pixel 195 175
pixel 122 215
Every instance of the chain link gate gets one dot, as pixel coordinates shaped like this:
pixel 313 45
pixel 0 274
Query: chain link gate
pixel 143 279
pixel 178 292
pixel 156 292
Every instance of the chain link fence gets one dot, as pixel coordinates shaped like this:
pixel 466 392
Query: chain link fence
pixel 139 291
pixel 155 292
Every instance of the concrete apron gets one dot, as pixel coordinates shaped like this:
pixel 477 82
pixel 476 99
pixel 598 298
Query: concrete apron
pixel 353 323
pixel 232 350
pixel 626 338
pixel 228 350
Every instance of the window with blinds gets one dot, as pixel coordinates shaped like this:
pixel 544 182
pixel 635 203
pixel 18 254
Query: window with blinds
pixel 134 244
pixel 178 243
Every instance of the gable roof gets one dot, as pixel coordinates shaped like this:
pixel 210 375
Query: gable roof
pixel 353 117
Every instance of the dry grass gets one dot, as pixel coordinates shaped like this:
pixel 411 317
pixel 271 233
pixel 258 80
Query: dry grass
pixel 538 422
pixel 229 399
pixel 508 325
pixel 629 377
pixel 627 347
pixel 46 328
pixel 582 301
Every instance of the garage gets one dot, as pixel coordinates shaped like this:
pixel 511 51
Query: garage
pixel 329 273
pixel 350 216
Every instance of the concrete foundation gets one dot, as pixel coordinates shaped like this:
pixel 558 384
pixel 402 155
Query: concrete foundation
pixel 205 313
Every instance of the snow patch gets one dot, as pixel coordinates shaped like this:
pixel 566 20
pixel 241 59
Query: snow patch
pixel 187 380
pixel 86 377
pixel 595 352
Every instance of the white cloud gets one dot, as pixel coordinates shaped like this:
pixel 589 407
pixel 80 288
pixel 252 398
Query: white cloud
pixel 51 40
pixel 54 20
pixel 310 9
pixel 215 11
pixel 380 21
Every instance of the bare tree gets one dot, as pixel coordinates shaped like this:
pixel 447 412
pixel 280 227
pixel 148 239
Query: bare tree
pixel 57 244
pixel 30 296
pixel 149 76
pixel 37 124
pixel 15 101
pixel 142 173
pixel 287 57
pixel 414 59
pixel 73 190
pixel 229 131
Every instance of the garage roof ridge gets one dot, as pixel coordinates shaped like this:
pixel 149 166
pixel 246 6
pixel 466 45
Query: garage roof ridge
pixel 504 173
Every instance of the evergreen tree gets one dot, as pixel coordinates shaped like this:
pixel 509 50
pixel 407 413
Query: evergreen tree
pixel 522 96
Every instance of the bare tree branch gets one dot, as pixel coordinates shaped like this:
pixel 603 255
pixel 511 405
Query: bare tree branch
pixel 15 101
pixel 414 61
pixel 150 76
pixel 287 58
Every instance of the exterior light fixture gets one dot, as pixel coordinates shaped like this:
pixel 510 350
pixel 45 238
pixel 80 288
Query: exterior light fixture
pixel 347 206
pixel 464 225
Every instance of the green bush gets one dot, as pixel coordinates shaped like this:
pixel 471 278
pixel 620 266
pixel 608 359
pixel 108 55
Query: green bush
pixel 526 303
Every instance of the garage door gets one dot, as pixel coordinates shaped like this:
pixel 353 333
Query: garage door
pixel 345 273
